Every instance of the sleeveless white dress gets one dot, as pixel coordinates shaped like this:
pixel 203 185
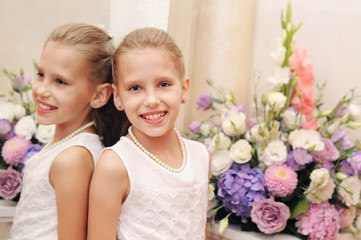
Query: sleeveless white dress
pixel 36 214
pixel 163 204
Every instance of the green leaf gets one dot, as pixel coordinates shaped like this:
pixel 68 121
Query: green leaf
pixel 233 98
pixel 217 100
pixel 301 207
pixel 289 12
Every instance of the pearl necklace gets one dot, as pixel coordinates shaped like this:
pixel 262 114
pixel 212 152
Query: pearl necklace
pixel 71 135
pixel 155 158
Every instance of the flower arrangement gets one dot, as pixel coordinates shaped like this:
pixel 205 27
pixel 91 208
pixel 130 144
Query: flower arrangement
pixel 20 135
pixel 291 168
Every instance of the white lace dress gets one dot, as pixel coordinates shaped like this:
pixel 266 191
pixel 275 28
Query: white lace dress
pixel 163 204
pixel 36 215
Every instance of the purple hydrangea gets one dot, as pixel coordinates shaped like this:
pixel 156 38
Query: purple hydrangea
pixel 195 126
pixel 33 149
pixel 239 186
pixel 205 101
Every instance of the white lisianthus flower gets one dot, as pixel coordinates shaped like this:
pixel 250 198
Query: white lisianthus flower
pixel 45 133
pixel 7 111
pixel 210 192
pixel 280 77
pixel 307 139
pixel 221 141
pixel 234 124
pixel 253 135
pixel 349 191
pixel 355 111
pixel 293 119
pixel 205 127
pixel 276 100
pixel 220 162
pixel 19 111
pixel 321 187
pixel 275 153
pixel 332 128
pixel 25 127
pixel 279 55
pixel 241 151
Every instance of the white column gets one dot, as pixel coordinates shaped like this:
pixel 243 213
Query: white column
pixel 128 15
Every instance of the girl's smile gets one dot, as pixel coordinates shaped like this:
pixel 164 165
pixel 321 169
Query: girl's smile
pixel 61 81
pixel 150 90
pixel 153 118
pixel 43 108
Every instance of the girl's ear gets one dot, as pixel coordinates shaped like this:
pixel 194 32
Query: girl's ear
pixel 185 91
pixel 101 96
pixel 116 98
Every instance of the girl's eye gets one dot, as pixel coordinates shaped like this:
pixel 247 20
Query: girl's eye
pixel 60 82
pixel 39 75
pixel 134 88
pixel 164 84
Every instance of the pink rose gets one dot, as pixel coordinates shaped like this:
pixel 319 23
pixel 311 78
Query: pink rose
pixel 270 216
pixel 10 183
pixel 328 154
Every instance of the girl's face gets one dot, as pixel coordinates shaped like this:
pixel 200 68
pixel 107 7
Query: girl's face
pixel 149 90
pixel 62 90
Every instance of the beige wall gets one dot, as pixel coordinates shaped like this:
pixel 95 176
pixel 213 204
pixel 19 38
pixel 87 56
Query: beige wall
pixel 24 25
pixel 331 34
pixel 225 41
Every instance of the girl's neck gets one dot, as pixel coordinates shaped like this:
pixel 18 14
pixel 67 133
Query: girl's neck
pixel 167 150
pixel 64 130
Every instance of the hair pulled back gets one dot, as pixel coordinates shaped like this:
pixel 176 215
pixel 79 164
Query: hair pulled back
pixel 96 46
pixel 143 38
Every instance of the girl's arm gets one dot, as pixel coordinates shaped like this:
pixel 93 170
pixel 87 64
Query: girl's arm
pixel 70 176
pixel 108 190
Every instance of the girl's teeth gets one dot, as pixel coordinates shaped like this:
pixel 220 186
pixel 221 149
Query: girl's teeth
pixel 44 106
pixel 154 117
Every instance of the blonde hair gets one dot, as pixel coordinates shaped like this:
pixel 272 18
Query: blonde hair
pixel 91 41
pixel 150 38
pixel 94 43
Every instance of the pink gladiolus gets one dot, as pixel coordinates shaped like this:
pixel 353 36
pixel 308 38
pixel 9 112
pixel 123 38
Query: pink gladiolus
pixel 300 63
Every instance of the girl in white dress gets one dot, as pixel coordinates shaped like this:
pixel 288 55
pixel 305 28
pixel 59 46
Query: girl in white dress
pixel 71 90
pixel 153 183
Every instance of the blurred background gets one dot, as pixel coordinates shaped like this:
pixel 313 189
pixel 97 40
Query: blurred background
pixel 226 41
pixel 223 41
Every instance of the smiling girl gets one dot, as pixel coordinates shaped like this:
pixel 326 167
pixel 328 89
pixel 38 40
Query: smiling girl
pixel 153 183
pixel 71 90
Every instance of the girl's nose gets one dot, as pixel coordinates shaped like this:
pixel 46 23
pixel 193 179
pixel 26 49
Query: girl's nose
pixel 42 90
pixel 151 101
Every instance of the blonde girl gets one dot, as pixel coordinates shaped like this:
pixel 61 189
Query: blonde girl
pixel 71 90
pixel 152 184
